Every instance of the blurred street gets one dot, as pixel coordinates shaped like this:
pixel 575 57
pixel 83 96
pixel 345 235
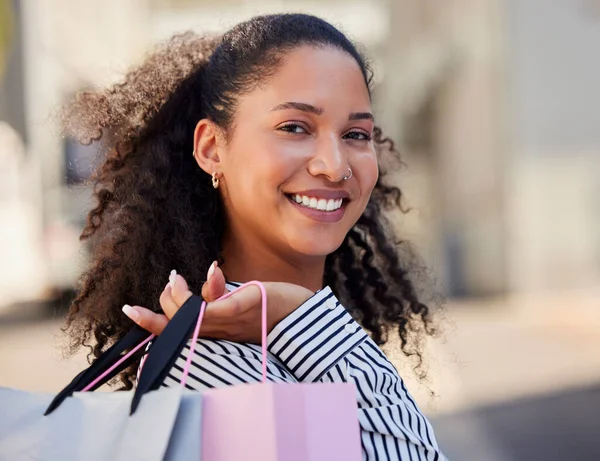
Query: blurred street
pixel 555 427
pixel 512 378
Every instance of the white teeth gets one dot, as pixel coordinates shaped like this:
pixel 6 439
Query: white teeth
pixel 318 204
pixel 334 204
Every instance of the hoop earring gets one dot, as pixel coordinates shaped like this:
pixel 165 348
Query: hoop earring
pixel 215 180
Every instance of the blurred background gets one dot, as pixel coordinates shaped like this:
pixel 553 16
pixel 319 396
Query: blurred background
pixel 496 106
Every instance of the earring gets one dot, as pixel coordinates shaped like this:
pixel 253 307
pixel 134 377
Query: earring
pixel 346 178
pixel 215 180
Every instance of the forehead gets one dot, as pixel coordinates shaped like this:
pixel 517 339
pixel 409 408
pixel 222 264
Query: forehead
pixel 323 76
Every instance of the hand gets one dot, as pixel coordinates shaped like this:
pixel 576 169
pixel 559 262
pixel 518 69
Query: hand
pixel 237 318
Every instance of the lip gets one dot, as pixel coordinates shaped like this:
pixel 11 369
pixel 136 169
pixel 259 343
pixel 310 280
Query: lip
pixel 322 193
pixel 318 215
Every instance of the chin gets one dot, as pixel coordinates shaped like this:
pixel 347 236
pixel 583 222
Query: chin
pixel 317 246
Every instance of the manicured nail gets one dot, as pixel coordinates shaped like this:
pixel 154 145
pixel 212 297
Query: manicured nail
pixel 172 278
pixel 131 312
pixel 211 270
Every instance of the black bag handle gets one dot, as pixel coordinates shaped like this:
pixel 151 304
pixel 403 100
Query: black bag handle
pixel 166 349
pixel 101 364
pixel 162 356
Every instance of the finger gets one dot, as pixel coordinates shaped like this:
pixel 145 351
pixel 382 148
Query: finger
pixel 214 287
pixel 167 303
pixel 179 291
pixel 242 300
pixel 145 318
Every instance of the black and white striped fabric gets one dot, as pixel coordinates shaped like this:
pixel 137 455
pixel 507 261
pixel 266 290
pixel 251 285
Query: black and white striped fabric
pixel 321 342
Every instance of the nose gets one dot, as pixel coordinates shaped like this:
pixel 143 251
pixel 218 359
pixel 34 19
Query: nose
pixel 329 159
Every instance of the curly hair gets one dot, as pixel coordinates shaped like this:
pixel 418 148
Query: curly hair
pixel 156 209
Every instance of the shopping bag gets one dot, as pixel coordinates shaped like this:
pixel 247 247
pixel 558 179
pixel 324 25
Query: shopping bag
pixel 87 426
pixel 79 425
pixel 263 421
pixel 273 421
pixel 277 422
pixel 151 420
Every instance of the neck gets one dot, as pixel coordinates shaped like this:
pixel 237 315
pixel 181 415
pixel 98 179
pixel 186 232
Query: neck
pixel 247 259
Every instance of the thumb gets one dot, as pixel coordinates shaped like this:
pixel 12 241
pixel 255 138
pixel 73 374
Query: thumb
pixel 214 287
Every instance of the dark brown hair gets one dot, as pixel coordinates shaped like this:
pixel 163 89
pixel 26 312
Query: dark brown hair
pixel 156 209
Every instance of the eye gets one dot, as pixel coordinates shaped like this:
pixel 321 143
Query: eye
pixel 291 127
pixel 358 135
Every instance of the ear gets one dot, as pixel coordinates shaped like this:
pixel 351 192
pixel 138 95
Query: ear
pixel 206 146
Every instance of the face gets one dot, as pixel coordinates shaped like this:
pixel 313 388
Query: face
pixel 293 141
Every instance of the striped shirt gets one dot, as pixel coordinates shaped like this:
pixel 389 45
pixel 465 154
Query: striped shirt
pixel 321 342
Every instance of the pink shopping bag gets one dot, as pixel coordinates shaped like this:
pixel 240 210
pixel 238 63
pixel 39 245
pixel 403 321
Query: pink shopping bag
pixel 291 422
pixel 278 422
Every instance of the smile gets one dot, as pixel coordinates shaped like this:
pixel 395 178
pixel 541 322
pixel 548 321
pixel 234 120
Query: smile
pixel 315 203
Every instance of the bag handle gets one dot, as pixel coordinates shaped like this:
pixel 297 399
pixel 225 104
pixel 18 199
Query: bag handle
pixel 165 350
pixel 170 343
pixel 96 383
pixel 162 355
pixel 263 329
pixel 88 379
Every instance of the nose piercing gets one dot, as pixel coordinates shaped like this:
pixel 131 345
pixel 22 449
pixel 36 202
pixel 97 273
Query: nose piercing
pixel 346 178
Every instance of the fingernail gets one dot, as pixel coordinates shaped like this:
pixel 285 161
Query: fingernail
pixel 172 278
pixel 211 270
pixel 131 312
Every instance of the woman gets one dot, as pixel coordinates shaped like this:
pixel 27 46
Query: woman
pixel 255 156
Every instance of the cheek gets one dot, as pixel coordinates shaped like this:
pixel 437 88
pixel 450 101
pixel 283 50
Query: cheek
pixel 274 164
pixel 367 172
pixel 263 165
pixel 274 158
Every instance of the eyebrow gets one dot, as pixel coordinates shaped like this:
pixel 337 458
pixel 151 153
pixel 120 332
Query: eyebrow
pixel 361 116
pixel 304 107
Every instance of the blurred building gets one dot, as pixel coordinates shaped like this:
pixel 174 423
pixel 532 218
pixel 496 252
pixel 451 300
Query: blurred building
pixel 494 102
pixel 503 128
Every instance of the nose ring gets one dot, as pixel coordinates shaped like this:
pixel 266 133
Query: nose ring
pixel 346 178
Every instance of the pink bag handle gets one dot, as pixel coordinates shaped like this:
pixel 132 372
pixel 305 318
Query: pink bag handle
pixel 263 329
pixel 121 360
